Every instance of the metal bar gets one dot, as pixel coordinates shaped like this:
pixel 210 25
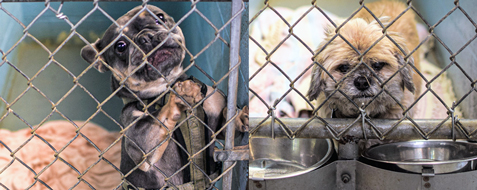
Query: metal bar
pixel 237 153
pixel 17 1
pixel 405 130
pixel 232 88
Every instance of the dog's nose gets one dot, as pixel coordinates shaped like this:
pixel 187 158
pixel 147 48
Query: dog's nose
pixel 361 83
pixel 144 39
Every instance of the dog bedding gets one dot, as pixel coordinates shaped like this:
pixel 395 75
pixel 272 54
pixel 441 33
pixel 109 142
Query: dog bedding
pixel 81 154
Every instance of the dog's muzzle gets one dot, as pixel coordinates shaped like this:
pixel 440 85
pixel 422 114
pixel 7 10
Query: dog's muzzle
pixel 168 52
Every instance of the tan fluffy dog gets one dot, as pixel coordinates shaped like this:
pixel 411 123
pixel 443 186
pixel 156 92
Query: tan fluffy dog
pixel 353 74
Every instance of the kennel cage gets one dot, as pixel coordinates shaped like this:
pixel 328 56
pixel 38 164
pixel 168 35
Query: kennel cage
pixel 43 77
pixel 281 28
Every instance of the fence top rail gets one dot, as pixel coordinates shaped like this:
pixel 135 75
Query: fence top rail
pixel 18 1
pixel 374 129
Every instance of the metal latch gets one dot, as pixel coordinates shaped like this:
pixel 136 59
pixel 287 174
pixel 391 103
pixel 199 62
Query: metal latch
pixel 428 171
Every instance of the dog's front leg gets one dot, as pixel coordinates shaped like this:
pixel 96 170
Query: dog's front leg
pixel 215 108
pixel 214 105
pixel 143 137
pixel 241 121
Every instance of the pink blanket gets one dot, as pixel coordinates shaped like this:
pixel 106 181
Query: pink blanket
pixel 40 157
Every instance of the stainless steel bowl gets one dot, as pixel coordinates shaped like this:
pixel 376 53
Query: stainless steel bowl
pixel 440 155
pixel 282 158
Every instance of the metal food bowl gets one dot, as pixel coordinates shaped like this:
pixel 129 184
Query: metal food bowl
pixel 438 156
pixel 282 158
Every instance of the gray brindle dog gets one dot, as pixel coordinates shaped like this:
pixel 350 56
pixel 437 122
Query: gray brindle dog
pixel 165 52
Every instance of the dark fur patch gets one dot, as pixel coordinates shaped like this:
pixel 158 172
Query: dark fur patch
pixel 316 84
pixel 406 73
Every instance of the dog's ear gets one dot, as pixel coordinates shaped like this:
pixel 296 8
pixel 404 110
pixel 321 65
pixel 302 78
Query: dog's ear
pixel 89 54
pixel 315 84
pixel 406 72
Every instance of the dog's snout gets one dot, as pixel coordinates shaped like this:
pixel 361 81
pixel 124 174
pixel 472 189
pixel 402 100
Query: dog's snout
pixel 161 36
pixel 361 83
pixel 150 35
pixel 145 39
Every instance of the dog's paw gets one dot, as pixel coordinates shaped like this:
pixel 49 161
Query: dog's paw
pixel 241 121
pixel 171 112
pixel 177 106
pixel 189 90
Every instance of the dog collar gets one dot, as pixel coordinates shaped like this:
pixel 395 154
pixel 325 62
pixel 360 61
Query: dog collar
pixel 152 108
pixel 156 106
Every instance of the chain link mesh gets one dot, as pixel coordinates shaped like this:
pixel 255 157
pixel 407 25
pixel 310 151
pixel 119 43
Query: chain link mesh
pixel 286 38
pixel 105 154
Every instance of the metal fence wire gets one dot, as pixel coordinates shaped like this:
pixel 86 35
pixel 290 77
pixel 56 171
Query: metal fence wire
pixel 40 180
pixel 277 123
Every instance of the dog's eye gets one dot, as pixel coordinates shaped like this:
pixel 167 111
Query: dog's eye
pixel 343 68
pixel 121 46
pixel 378 65
pixel 160 16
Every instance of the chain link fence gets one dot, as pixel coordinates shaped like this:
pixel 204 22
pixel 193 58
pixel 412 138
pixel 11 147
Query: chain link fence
pixel 284 44
pixel 43 80
pixel 301 48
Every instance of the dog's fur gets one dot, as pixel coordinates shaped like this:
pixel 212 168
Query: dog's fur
pixel 143 137
pixel 132 78
pixel 385 58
